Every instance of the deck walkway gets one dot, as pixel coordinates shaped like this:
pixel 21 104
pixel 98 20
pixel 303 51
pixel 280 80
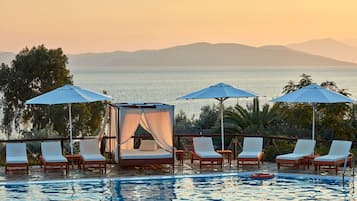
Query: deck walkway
pixel 37 174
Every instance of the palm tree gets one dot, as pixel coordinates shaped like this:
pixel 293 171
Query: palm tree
pixel 251 119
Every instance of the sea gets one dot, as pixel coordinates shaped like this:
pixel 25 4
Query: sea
pixel 165 84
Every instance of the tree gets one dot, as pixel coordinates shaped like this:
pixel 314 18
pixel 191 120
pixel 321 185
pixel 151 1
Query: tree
pixel 33 72
pixel 209 118
pixel 183 123
pixel 332 120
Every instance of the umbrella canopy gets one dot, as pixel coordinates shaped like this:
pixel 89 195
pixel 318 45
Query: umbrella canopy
pixel 221 92
pixel 68 94
pixel 313 94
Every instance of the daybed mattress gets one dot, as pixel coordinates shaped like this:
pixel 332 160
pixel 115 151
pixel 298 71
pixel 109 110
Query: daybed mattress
pixel 137 154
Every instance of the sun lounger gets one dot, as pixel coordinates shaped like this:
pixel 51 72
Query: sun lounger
pixel 339 152
pixel 16 156
pixel 204 152
pixel 90 155
pixel 252 151
pixel 303 148
pixel 52 156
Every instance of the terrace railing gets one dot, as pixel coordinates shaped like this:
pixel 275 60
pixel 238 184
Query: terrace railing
pixel 181 141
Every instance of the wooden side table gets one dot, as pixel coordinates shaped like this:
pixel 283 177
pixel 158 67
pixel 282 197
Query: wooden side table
pixel 180 155
pixel 309 159
pixel 227 153
pixel 74 157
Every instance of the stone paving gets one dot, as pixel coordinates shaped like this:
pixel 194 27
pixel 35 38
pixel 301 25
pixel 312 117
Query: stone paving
pixel 113 170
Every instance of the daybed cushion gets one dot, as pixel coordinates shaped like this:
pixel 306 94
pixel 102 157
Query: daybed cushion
pixel 148 145
pixel 137 154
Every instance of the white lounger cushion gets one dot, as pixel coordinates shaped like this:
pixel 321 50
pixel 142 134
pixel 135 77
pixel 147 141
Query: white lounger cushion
pixel 339 150
pixel 302 148
pixel 92 157
pixel 89 150
pixel 250 154
pixel 16 159
pixel 252 147
pixel 208 154
pixel 52 152
pixel 330 158
pixel 203 147
pixel 16 153
pixel 291 156
pixel 137 154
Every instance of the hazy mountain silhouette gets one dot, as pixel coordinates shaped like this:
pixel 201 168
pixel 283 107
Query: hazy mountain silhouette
pixel 200 54
pixel 206 54
pixel 328 48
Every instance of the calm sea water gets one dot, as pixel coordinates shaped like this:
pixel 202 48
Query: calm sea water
pixel 166 84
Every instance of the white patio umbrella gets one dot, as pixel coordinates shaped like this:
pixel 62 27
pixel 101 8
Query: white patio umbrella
pixel 313 94
pixel 68 94
pixel 221 92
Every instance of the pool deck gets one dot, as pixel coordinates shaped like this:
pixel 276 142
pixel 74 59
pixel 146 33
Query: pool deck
pixel 113 170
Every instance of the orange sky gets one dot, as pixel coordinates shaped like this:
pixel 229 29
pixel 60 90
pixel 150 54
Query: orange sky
pixel 107 25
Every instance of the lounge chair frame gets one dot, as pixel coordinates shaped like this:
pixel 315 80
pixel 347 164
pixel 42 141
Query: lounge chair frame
pixel 254 160
pixel 328 165
pixel 251 161
pixel 206 160
pixel 16 166
pixel 334 164
pixel 290 163
pixel 54 165
pixel 294 163
pixel 102 165
pixel 86 164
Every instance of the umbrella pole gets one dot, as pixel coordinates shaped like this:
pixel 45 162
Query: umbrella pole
pixel 70 127
pixel 313 120
pixel 222 125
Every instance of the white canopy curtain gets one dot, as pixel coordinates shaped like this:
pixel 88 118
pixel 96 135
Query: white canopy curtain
pixel 129 122
pixel 157 122
pixel 160 126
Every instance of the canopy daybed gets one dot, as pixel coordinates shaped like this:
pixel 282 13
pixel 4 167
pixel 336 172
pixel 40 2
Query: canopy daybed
pixel 156 118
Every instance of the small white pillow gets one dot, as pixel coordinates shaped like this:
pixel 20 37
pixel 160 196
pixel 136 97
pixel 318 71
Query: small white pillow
pixel 148 145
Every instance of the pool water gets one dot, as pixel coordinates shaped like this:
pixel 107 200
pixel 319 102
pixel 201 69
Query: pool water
pixel 194 187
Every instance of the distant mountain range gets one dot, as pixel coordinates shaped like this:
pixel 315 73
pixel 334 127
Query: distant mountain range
pixel 206 54
pixel 329 48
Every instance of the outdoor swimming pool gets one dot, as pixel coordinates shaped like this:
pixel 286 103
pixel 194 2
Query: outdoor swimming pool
pixel 233 186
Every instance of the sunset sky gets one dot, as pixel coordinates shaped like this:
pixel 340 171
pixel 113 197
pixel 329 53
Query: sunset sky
pixel 80 26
